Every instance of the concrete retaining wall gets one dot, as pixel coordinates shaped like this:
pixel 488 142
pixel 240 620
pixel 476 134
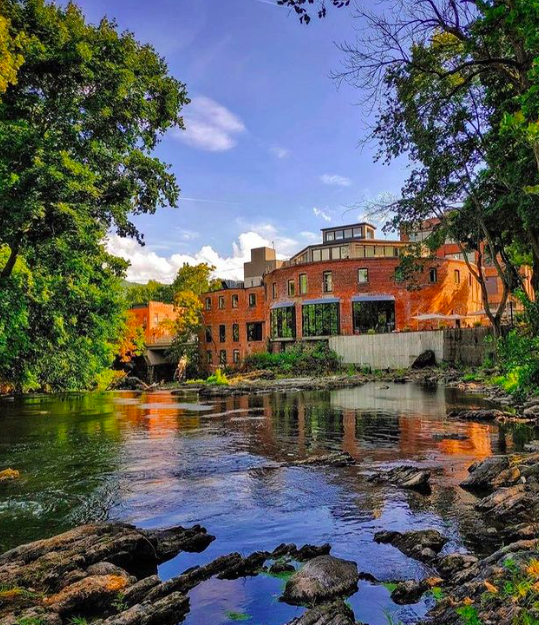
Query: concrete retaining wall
pixel 399 350
pixel 387 351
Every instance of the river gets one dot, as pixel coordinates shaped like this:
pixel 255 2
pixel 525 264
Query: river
pixel 159 460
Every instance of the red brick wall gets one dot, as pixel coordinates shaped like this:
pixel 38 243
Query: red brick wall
pixel 228 316
pixel 444 296
pixel 151 316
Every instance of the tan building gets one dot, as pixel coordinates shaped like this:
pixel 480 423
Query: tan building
pixel 263 260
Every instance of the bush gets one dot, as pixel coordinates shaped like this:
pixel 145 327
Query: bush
pixel 300 360
pixel 518 358
pixel 218 378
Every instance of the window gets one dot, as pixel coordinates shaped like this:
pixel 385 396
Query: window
pixel 362 276
pixel 208 335
pixel 209 357
pixel 345 251
pixel 254 331
pixel 156 319
pixel 302 283
pixel 456 276
pixel 283 323
pixel 320 319
pixel 291 288
pixel 235 332
pixel 433 275
pixel 222 357
pixel 222 334
pixel 330 236
pixel 335 253
pixel 252 300
pixel 317 255
pixel 236 356
pixel 221 302
pixel 325 253
pixel 358 234
pixel 235 300
pixel 348 233
pixel 208 303
pixel 328 282
pixel 339 234
pixel 370 233
pixel 274 290
pixel 377 316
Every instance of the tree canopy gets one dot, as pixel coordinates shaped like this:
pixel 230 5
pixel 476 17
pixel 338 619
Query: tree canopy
pixel 79 120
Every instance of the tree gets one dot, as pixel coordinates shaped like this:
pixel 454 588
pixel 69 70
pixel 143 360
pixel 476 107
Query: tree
pixel 132 340
pixel 151 291
pixel 78 128
pixel 78 125
pixel 11 57
pixel 195 278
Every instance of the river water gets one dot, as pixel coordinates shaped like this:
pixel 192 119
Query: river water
pixel 159 460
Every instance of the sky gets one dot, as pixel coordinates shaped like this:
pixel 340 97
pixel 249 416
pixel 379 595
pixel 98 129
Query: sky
pixel 271 151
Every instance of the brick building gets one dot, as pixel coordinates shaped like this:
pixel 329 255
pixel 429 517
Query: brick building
pixel 348 284
pixel 153 318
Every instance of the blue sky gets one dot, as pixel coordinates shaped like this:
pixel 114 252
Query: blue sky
pixel 271 147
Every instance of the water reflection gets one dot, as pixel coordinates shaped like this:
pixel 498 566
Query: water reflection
pixel 158 459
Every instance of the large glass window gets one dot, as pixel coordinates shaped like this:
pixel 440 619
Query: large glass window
pixel 328 281
pixel 358 233
pixel 320 319
pixel 325 253
pixel 378 316
pixel 330 236
pixel 339 234
pixel 254 331
pixel 317 255
pixel 283 323
pixel 348 233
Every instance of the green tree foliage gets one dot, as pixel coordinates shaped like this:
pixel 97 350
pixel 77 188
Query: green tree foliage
pixel 77 133
pixel 195 278
pixel 302 8
pixel 151 291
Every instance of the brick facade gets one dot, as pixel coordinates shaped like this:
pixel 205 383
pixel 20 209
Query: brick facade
pixel 446 295
pixel 249 308
pixel 153 317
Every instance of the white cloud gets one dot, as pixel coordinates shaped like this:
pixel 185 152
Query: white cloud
pixel 310 236
pixel 336 180
pixel 280 152
pixel 146 265
pixel 210 126
pixel 188 235
pixel 318 212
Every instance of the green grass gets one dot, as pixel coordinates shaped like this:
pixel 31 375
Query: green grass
pixel 238 616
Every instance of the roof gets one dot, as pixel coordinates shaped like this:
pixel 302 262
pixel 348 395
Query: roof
pixel 360 223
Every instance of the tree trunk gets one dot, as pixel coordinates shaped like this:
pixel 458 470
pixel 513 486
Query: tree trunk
pixel 9 266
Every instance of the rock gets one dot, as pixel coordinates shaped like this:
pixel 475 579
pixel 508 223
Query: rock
pixel 483 473
pixel 514 504
pixel 425 359
pixel 339 459
pixel 477 415
pixel 336 613
pixel 421 545
pixel 507 477
pixel 281 567
pixel 532 411
pixel 411 591
pixel 322 578
pixel 450 565
pixel 94 593
pixel 404 477
pixel 9 474
pixel 532 446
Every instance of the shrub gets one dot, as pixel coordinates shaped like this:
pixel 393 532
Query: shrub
pixel 518 358
pixel 317 359
pixel 218 378
pixel 371 331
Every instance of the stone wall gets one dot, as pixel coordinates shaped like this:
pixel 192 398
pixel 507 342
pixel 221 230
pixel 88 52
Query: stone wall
pixel 467 345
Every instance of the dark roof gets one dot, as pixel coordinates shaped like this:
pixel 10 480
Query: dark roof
pixel 361 223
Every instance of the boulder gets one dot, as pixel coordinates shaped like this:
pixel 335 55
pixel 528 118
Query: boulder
pixel 411 591
pixel 9 474
pixel 404 477
pixel 421 545
pixel 336 613
pixel 483 473
pixel 450 565
pixel 322 578
pixel 281 567
pixel 425 359
pixel 338 459
pixel 515 504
